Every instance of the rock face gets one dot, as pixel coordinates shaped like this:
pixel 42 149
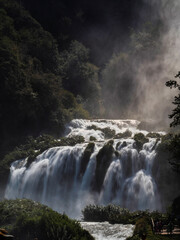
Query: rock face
pixel 103 160
pixel 140 140
pixel 86 157
pixel 125 171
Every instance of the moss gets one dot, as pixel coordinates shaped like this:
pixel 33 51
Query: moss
pixel 108 133
pixel 26 219
pixel 93 127
pixel 85 158
pixel 140 140
pixel 103 160
pixel 153 135
pixel 126 134
pixel 92 139
pixel 71 141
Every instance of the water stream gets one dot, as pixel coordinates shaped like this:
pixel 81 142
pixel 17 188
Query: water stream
pixel 107 231
pixel 60 178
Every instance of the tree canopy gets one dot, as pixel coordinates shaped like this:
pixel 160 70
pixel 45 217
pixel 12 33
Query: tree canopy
pixel 175 115
pixel 33 98
pixel 173 143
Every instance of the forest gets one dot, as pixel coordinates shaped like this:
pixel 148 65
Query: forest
pixel 64 60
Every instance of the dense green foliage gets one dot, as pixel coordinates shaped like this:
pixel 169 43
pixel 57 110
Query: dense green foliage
pixel 111 213
pixel 175 115
pixel 143 227
pixel 34 76
pixel 141 219
pixel 26 220
pixel 123 73
pixel 101 25
pixel 170 144
pixel 81 77
pixel 116 214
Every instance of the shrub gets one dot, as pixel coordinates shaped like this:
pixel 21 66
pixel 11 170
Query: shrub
pixel 26 220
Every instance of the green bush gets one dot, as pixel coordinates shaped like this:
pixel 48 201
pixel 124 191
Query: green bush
pixel 32 98
pixel 141 227
pixel 26 220
pixel 170 145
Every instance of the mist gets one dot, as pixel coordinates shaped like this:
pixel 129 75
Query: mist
pixel 133 81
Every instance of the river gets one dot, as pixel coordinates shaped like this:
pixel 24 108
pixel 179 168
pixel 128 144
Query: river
pixel 107 231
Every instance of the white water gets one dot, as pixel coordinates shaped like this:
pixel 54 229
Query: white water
pixel 107 231
pixel 55 178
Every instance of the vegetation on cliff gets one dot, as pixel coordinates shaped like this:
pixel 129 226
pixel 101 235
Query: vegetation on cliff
pixel 141 219
pixel 32 148
pixel 37 89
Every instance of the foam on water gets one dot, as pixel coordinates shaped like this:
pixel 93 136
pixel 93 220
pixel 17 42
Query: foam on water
pixel 56 177
pixel 107 231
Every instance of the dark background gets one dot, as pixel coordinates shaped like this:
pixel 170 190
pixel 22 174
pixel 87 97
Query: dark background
pixel 103 26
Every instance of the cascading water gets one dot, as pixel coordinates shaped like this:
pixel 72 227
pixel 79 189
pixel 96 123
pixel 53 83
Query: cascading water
pixel 63 179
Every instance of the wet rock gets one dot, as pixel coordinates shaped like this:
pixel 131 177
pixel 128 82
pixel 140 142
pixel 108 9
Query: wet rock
pixel 92 139
pixel 103 159
pixel 125 134
pixel 140 140
pixel 153 135
pixel 85 158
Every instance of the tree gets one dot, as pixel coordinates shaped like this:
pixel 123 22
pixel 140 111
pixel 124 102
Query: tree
pixel 80 77
pixel 32 99
pixel 175 115
pixel 173 145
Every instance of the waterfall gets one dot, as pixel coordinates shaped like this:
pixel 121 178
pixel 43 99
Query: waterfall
pixel 115 172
